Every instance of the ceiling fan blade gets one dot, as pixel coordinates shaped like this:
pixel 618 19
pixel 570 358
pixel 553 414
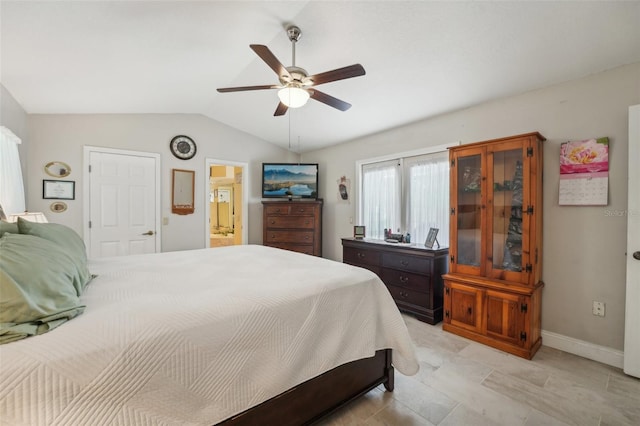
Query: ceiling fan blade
pixel 329 100
pixel 241 89
pixel 270 59
pixel 280 110
pixel 355 70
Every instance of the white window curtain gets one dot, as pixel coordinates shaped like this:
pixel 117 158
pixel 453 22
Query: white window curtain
pixel 11 185
pixel 381 205
pixel 428 200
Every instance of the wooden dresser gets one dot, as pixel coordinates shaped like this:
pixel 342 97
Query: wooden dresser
pixel 413 274
pixel 293 225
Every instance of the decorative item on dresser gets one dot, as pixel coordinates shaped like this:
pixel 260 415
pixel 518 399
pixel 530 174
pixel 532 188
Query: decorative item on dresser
pixel 493 290
pixel 413 274
pixel 293 225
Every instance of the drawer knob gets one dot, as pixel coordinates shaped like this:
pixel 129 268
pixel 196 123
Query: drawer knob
pixel 306 237
pixel 404 263
pixel 301 210
pixel 404 279
pixel 273 222
pixel 360 255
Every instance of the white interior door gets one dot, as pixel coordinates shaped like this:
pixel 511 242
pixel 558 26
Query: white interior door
pixel 123 203
pixel 632 312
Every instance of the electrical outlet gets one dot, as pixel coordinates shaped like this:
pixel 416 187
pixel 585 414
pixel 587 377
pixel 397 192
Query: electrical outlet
pixel 598 308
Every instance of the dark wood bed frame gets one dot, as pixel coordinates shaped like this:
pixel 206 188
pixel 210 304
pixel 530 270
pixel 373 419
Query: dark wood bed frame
pixel 316 398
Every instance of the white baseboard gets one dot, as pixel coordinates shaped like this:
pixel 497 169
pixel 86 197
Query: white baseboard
pixel 584 349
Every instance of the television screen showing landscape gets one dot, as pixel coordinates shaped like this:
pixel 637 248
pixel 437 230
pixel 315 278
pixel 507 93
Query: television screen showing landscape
pixel 290 180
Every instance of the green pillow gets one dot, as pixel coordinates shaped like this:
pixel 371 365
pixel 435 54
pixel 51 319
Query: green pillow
pixel 64 236
pixel 8 227
pixel 66 240
pixel 38 287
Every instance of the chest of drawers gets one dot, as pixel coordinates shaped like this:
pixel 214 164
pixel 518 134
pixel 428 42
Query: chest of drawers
pixel 293 225
pixel 412 274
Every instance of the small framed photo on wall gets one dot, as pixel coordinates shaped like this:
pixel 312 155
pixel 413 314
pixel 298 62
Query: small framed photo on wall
pixel 59 189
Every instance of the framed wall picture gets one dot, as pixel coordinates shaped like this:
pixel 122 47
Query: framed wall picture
pixel 358 232
pixel 59 189
pixel 431 238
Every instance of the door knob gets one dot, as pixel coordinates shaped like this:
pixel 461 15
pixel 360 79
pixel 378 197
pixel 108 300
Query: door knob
pixel 148 233
pixel 636 255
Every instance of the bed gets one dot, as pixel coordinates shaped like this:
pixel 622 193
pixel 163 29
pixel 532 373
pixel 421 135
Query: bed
pixel 235 335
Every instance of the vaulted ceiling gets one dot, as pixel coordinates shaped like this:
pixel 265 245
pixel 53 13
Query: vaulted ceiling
pixel 421 58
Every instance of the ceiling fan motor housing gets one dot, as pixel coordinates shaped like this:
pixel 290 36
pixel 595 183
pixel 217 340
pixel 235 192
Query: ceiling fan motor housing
pixel 297 76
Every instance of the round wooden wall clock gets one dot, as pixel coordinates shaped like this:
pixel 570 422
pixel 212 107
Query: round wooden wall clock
pixel 183 147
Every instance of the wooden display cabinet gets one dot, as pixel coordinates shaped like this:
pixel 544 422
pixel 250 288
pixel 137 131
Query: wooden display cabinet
pixel 493 291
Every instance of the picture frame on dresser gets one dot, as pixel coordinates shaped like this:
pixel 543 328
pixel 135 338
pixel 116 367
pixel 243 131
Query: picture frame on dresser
pixel 431 238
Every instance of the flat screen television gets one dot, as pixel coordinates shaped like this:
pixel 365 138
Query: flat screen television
pixel 289 180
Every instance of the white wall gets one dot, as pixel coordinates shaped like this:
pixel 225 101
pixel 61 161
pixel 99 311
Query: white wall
pixel 62 137
pixel 13 117
pixel 583 247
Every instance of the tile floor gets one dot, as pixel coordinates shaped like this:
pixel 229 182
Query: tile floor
pixel 461 382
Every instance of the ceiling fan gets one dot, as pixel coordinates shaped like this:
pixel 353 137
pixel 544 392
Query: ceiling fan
pixel 296 85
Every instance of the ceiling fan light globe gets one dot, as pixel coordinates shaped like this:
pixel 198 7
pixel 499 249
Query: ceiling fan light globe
pixel 293 97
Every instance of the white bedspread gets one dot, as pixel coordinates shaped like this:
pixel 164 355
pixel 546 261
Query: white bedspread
pixel 194 337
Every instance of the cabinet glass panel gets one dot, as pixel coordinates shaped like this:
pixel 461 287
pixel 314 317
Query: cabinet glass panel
pixel 507 188
pixel 469 210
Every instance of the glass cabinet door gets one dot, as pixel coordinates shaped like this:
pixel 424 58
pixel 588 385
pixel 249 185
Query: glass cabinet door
pixel 507 213
pixel 469 211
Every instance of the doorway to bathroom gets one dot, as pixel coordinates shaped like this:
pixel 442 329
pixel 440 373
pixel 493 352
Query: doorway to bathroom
pixel 227 201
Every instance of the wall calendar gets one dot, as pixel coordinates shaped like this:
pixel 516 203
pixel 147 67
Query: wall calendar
pixel 584 172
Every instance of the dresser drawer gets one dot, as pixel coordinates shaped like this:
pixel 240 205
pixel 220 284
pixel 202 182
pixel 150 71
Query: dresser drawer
pixel 406 263
pixel 300 248
pixel 298 222
pixel 303 237
pixel 403 295
pixel 290 209
pixel 358 256
pixel 279 209
pixel 406 279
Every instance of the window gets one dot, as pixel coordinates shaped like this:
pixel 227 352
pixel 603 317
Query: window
pixel 11 187
pixel 385 177
pixel 408 194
